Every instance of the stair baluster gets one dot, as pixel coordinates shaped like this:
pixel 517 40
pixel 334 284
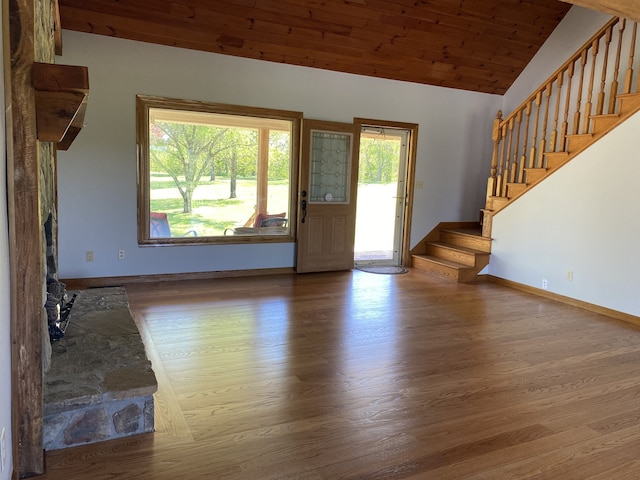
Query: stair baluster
pixel 576 117
pixel 556 115
pixel 588 106
pixel 632 51
pixel 534 141
pixel 603 78
pixel 616 70
pixel 565 121
pixel 545 120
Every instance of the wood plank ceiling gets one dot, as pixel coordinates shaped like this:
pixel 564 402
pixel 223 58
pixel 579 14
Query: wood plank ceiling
pixel 477 45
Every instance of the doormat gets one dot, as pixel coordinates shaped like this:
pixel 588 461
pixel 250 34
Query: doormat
pixel 387 270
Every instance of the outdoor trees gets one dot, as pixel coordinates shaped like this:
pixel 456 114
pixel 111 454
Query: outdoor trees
pixel 186 152
pixel 379 159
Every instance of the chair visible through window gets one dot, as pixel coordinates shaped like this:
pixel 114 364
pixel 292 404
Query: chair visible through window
pixel 159 226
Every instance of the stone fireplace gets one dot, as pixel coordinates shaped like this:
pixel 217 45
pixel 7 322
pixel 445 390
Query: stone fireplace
pixel 98 383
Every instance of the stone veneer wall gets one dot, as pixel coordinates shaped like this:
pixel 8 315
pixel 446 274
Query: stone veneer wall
pixel 44 49
pixel 100 385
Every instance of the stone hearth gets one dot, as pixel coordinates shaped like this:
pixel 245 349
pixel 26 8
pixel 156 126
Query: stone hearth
pixel 100 385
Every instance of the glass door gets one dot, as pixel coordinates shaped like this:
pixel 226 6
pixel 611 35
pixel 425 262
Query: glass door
pixel 382 194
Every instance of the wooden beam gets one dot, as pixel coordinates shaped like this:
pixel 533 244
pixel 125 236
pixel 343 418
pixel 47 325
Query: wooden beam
pixel 57 29
pixel 25 244
pixel 621 8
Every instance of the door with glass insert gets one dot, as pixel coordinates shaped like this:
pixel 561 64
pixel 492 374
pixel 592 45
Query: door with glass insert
pixel 327 196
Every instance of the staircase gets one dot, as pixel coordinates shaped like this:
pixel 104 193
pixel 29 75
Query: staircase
pixel 593 92
pixel 454 250
pixel 587 97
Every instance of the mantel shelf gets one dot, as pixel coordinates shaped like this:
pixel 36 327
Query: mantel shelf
pixel 61 93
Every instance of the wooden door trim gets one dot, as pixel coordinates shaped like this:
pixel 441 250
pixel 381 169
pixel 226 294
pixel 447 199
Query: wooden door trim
pixel 411 169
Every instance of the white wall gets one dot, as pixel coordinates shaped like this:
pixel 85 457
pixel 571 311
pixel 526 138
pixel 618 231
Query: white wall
pixel 97 176
pixel 584 218
pixel 578 26
pixel 5 297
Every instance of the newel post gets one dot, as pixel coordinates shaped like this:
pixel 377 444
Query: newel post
pixel 496 136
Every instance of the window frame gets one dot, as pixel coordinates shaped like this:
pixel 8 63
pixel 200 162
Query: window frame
pixel 146 102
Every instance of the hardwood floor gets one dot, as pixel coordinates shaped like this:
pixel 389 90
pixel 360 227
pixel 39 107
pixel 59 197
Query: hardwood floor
pixel 355 375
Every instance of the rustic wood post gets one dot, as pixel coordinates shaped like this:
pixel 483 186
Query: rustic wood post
pixel 25 244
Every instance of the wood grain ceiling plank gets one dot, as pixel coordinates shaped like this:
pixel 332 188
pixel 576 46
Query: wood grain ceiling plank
pixel 454 17
pixel 508 13
pixel 134 29
pixel 417 29
pixel 421 48
pixel 139 7
pixel 285 16
pixel 289 52
pixel 490 39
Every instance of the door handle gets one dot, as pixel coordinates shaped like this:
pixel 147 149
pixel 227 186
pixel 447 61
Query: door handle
pixel 303 205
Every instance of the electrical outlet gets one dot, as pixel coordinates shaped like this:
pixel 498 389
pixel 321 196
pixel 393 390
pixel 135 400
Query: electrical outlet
pixel 544 284
pixel 89 255
pixel 570 275
pixel 120 254
pixel 3 449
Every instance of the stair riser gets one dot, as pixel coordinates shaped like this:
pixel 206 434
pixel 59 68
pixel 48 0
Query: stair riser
pixel 435 268
pixel 494 203
pixel 555 160
pixel 578 142
pixel 604 123
pixel 515 189
pixel 533 175
pixel 464 258
pixel 477 243
pixel 629 103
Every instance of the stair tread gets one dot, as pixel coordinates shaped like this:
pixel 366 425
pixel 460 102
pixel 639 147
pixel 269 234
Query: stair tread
pixel 458 248
pixel 605 115
pixel 442 261
pixel 469 231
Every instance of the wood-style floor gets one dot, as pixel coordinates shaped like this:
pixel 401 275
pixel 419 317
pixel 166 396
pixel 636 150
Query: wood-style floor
pixel 355 375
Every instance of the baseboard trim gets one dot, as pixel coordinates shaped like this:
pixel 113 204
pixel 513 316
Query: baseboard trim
pixel 82 283
pixel 608 312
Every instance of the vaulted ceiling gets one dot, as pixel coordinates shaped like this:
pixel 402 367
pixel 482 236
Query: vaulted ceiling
pixel 478 45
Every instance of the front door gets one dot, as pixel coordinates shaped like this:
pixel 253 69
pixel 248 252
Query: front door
pixel 327 196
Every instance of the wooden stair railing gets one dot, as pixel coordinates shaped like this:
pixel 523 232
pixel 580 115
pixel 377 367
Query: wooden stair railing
pixel 580 102
pixel 454 250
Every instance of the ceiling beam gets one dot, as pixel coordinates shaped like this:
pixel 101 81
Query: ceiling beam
pixel 622 8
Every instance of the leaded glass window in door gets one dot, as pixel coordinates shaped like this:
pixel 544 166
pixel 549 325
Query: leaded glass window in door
pixel 330 167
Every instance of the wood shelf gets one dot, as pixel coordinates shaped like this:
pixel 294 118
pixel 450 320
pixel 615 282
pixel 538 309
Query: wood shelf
pixel 61 93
